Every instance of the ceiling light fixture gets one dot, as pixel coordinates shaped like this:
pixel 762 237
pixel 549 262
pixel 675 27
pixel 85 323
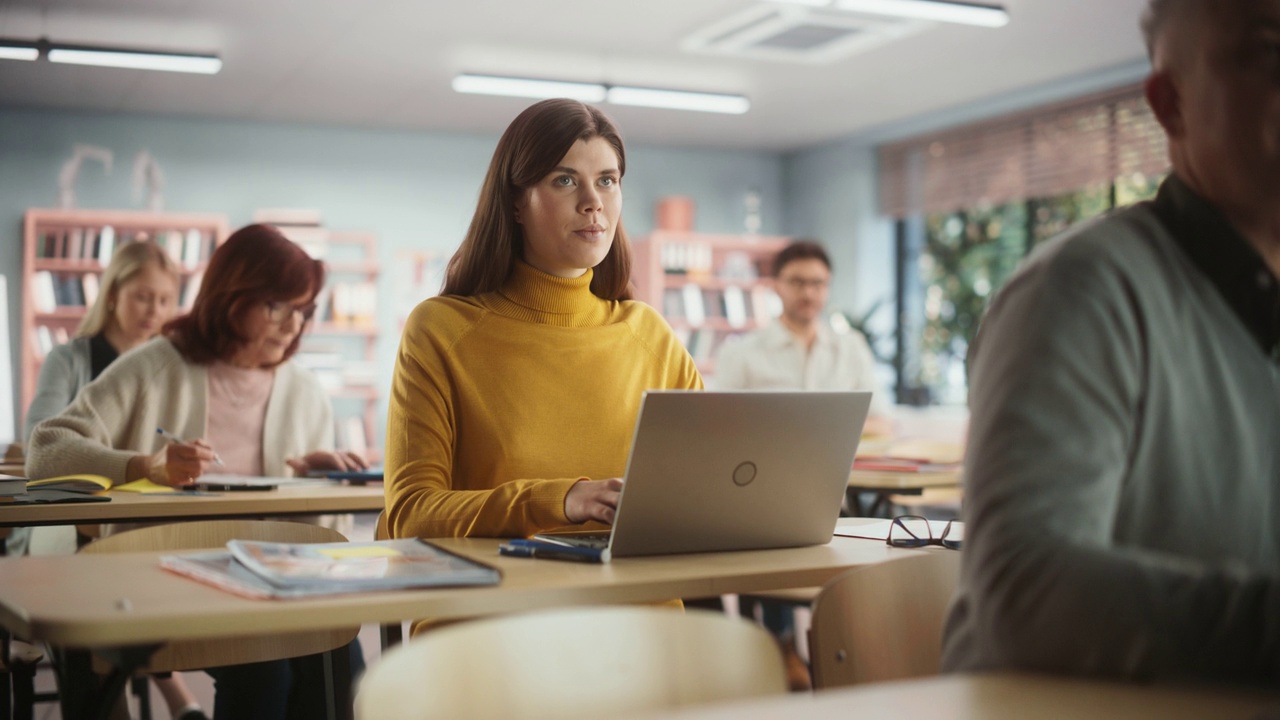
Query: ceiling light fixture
pixel 679 100
pixel 18 50
pixel 199 63
pixel 528 87
pixel 940 10
pixel 599 92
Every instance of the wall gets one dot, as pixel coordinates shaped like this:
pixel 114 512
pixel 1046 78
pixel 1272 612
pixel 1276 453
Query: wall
pixel 416 191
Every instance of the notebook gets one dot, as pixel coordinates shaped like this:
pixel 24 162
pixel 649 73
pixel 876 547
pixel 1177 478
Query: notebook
pixel 711 471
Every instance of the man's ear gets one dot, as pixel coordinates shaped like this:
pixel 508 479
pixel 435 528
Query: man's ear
pixel 1166 104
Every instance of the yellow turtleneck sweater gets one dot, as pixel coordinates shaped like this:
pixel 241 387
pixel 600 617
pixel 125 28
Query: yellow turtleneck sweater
pixel 502 401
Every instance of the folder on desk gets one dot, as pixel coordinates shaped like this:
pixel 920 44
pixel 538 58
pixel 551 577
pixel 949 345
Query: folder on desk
pixel 285 570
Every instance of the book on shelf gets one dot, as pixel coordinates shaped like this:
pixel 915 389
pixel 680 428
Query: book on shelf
pixel 106 245
pixel 285 570
pixel 75 244
pixel 89 284
pixel 694 309
pixel 193 248
pixel 43 341
pixel 43 293
pixel 191 288
pixel 903 465
pixel 735 306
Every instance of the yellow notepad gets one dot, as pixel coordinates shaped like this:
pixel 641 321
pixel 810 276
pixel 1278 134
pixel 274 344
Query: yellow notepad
pixel 143 486
pixel 73 483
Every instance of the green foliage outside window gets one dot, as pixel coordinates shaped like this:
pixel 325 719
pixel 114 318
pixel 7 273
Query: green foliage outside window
pixel 968 255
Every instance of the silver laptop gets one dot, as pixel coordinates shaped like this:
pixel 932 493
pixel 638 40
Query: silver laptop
pixel 713 471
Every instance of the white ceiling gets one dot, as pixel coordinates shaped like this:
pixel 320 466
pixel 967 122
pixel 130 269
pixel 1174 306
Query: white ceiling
pixel 388 63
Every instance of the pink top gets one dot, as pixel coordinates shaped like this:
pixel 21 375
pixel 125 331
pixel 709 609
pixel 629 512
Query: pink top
pixel 237 415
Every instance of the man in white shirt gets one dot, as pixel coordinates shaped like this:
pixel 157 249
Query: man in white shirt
pixel 799 351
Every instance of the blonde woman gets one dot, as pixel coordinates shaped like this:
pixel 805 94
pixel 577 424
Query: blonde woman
pixel 139 295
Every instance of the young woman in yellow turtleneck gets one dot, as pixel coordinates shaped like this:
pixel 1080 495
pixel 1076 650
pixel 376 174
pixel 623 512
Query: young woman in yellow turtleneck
pixel 516 391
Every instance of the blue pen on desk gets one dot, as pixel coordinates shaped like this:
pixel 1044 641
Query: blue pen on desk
pixel 174 438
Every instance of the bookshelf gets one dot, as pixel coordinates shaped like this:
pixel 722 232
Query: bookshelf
pixel 65 253
pixel 340 346
pixel 707 286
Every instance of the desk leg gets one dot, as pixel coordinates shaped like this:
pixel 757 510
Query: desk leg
pixel 80 693
pixel 337 664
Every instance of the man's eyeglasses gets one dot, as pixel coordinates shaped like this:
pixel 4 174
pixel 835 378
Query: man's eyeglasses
pixel 907 536
pixel 797 283
pixel 278 312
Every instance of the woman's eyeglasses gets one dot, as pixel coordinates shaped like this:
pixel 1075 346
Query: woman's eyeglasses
pixel 278 312
pixel 905 536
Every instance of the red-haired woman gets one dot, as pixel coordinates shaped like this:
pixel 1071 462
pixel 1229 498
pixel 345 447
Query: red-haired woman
pixel 515 392
pixel 221 375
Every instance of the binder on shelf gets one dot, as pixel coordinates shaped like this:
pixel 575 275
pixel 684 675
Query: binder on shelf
pixel 191 288
pixel 89 285
pixel 106 245
pixel 44 296
pixel 75 244
pixel 694 310
pixel 735 306
pixel 191 248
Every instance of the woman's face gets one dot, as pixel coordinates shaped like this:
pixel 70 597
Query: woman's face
pixel 271 328
pixel 571 215
pixel 144 303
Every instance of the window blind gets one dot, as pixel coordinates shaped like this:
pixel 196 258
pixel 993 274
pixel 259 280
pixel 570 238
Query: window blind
pixel 1041 153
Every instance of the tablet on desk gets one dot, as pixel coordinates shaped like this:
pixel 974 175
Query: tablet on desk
pixel 355 477
pixel 232 483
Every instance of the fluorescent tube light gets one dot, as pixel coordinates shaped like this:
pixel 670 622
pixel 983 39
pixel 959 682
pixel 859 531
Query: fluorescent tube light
pixel 18 51
pixel 940 10
pixel 527 87
pixel 679 100
pixel 135 59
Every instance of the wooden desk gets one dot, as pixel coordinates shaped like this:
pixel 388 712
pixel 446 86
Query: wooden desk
pixel 999 697
pixel 884 484
pixel 134 602
pixel 159 507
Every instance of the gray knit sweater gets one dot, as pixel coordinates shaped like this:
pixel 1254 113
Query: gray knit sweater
pixel 1123 470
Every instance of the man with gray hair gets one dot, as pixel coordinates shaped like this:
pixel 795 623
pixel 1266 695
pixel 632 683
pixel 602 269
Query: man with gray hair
pixel 1123 469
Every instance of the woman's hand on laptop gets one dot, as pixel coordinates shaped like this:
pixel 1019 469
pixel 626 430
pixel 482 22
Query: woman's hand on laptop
pixel 593 500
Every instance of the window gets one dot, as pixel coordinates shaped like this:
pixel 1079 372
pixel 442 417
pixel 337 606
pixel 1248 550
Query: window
pixel 972 202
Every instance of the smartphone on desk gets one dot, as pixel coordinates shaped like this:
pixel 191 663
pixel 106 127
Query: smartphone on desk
pixel 550 551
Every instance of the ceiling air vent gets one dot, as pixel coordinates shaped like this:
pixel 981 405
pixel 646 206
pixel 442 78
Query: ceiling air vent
pixel 798 34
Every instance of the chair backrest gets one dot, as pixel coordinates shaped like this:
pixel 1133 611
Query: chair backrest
pixel 572 663
pixel 883 621
pixel 211 534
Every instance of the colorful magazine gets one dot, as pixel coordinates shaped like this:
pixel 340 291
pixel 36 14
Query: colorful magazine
pixel 282 570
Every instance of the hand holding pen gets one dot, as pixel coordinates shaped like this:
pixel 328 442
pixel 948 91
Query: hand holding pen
pixel 180 461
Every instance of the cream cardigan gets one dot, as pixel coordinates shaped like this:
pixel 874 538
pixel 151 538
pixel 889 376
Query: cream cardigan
pixel 115 417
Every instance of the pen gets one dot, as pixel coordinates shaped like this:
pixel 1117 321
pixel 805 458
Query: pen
pixel 174 438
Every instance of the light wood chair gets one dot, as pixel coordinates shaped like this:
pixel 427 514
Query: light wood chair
pixel 572 663
pixel 212 534
pixel 883 621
